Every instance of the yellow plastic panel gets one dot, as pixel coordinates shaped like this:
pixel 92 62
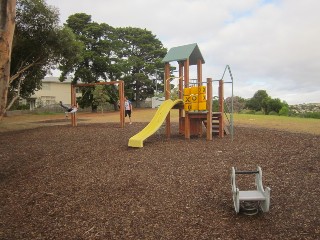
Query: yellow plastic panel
pixel 202 98
pixel 195 106
pixel 187 107
pixel 194 98
pixel 194 90
pixel 186 91
pixel 187 99
pixel 202 106
pixel 202 89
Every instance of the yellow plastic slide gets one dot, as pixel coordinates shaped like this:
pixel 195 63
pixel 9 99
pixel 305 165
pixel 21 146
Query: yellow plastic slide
pixel 155 123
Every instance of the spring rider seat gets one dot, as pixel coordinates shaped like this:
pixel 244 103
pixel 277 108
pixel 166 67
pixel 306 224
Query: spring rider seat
pixel 251 200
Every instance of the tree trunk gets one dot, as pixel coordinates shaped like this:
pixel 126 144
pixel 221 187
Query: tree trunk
pixel 7 25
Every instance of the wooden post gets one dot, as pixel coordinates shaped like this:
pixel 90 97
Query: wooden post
pixel 181 87
pixel 186 73
pixel 73 103
pixel 221 109
pixel 167 80
pixel 186 84
pixel 199 83
pixel 187 126
pixel 167 94
pixel 209 109
pixel 121 99
pixel 199 71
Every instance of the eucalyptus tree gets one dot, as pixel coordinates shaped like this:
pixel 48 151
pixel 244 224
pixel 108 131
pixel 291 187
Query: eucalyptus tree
pixel 7 26
pixel 39 44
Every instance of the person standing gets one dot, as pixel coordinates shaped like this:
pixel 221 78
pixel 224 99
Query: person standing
pixel 128 108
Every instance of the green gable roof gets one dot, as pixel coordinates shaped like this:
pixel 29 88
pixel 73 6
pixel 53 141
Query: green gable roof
pixel 182 53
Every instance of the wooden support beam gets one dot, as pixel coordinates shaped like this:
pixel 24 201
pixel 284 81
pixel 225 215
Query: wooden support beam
pixel 167 95
pixel 97 83
pixel 121 99
pixel 167 80
pixel 186 85
pixel 186 73
pixel 120 84
pixel 209 109
pixel 199 71
pixel 73 103
pixel 187 126
pixel 181 87
pixel 181 80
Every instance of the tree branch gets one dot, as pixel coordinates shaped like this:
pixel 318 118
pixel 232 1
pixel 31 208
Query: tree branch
pixel 16 96
pixel 22 69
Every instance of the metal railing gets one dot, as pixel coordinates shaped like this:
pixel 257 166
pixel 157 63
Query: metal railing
pixel 227 107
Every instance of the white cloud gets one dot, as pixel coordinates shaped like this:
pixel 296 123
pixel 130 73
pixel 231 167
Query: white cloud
pixel 269 44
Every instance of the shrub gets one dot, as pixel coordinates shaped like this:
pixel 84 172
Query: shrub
pixel 284 111
pixel 310 115
pixel 273 113
pixel 259 113
pixel 247 111
pixel 21 107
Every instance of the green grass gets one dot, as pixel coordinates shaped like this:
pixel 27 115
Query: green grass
pixel 292 124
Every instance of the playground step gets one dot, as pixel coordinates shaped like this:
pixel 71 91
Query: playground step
pixel 215 127
pixel 216 116
pixel 215 124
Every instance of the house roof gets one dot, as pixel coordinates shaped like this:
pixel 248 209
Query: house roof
pixel 50 79
pixel 184 52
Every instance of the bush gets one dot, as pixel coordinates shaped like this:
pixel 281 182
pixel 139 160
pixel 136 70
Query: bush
pixel 247 111
pixel 310 115
pixel 22 107
pixel 284 111
pixel 273 113
pixel 259 113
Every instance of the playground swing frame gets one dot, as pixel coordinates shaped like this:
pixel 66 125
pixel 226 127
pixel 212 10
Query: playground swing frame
pixel 120 83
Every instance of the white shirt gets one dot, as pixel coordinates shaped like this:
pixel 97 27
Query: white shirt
pixel 127 104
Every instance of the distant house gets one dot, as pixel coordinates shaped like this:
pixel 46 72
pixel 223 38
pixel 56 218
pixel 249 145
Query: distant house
pixel 51 93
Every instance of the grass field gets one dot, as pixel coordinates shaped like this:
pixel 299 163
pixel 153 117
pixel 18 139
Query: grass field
pixel 299 125
pixel 292 124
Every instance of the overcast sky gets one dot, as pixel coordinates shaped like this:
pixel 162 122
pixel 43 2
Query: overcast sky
pixel 271 45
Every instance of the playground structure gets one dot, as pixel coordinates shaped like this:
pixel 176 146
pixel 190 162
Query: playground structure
pixel 194 101
pixel 250 200
pixel 121 98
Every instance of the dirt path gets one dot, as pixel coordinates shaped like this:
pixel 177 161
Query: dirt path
pixel 28 121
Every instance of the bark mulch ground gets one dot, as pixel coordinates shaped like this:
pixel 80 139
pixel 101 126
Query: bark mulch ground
pixel 60 182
